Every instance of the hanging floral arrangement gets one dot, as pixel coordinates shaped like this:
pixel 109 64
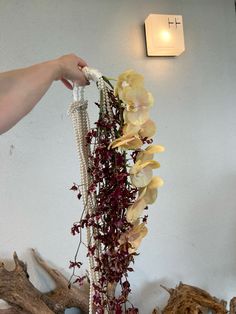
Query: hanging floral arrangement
pixel 117 185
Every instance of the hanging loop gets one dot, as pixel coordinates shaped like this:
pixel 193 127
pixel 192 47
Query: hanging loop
pixel 78 92
pixel 92 74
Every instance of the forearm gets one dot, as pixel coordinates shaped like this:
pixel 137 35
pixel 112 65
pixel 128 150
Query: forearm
pixel 20 90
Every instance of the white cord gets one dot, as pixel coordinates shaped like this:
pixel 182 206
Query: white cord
pixel 92 74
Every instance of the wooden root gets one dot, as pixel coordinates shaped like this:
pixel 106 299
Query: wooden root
pixel 17 290
pixel 192 300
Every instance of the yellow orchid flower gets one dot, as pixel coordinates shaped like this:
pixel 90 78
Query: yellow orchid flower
pixel 130 138
pixel 148 129
pixel 128 141
pixel 141 172
pixel 149 152
pixel 134 236
pixel 136 118
pixel 130 128
pixel 128 79
pixel 137 99
pixel 149 193
pixel 151 149
pixel 135 210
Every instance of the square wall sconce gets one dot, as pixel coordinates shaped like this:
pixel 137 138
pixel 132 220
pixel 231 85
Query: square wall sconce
pixel 164 35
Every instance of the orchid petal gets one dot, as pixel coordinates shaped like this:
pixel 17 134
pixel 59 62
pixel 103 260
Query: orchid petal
pixel 148 129
pixel 149 193
pixel 156 182
pixel 150 196
pixel 148 153
pixel 130 129
pixel 142 178
pixel 136 236
pixel 142 156
pixel 135 210
pixel 137 99
pixel 127 141
pixel 127 80
pixel 141 172
pixel 151 149
pixel 150 163
pixel 136 118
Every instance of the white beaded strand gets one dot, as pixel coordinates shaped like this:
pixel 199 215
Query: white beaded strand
pixel 81 125
pixel 78 114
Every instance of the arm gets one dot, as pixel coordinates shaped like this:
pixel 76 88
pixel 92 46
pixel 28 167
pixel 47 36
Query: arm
pixel 21 90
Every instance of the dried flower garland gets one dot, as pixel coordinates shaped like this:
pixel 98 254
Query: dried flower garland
pixel 116 159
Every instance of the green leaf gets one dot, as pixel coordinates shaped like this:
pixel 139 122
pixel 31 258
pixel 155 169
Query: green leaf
pixel 108 81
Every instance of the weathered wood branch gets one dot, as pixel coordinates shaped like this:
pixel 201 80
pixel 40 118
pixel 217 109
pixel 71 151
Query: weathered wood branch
pixel 233 306
pixel 12 311
pixel 63 297
pixel 17 290
pixel 192 300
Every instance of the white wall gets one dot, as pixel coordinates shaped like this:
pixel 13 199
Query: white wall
pixel 192 235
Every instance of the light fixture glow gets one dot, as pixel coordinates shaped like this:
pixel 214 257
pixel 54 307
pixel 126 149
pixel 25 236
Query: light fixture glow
pixel 164 35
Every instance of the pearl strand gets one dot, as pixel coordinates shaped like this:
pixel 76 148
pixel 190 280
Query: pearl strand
pixel 102 87
pixel 81 127
pixel 77 112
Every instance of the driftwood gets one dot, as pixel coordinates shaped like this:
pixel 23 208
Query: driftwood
pixel 192 300
pixel 17 290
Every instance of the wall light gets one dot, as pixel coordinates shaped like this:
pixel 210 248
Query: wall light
pixel 164 35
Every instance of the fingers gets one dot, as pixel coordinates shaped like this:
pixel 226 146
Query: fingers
pixel 67 83
pixel 82 80
pixel 71 70
pixel 81 63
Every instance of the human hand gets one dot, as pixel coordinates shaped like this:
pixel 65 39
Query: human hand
pixel 70 69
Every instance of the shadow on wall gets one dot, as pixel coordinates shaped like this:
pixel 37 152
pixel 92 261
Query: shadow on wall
pixel 153 295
